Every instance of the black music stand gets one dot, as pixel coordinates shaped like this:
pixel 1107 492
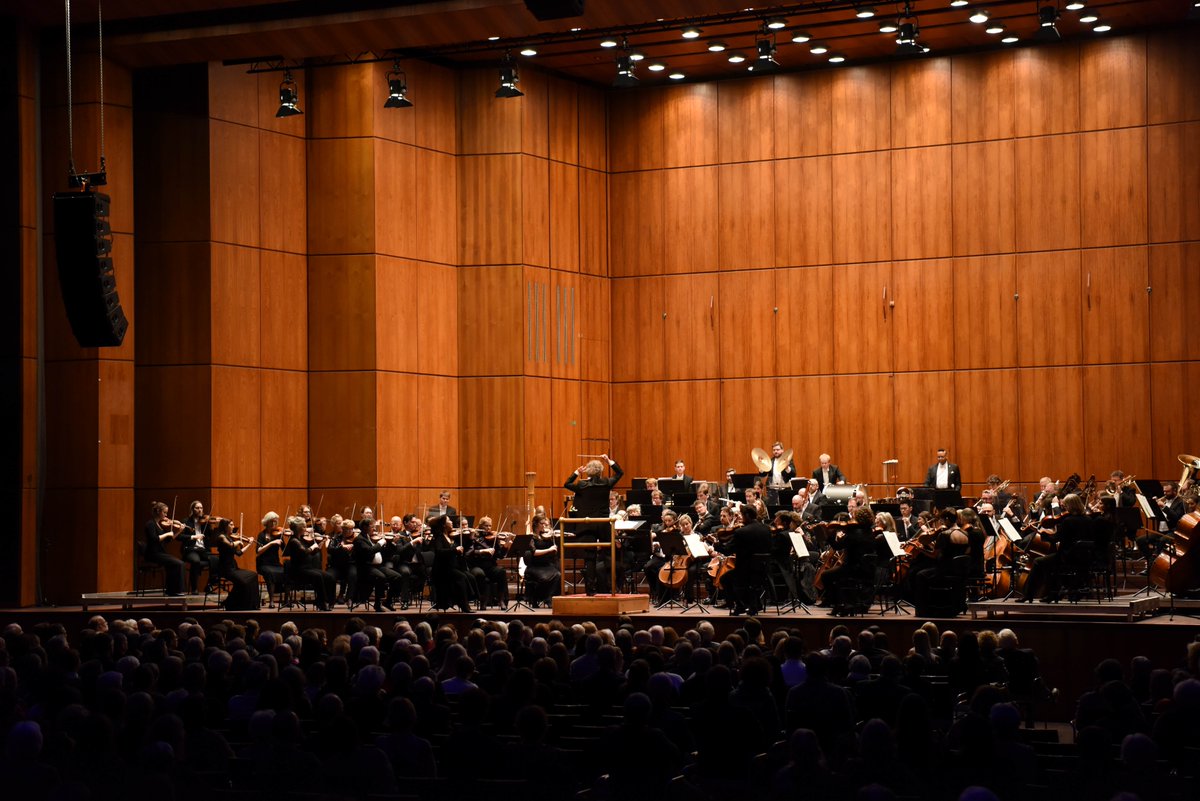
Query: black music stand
pixel 516 550
pixel 637 544
pixel 672 544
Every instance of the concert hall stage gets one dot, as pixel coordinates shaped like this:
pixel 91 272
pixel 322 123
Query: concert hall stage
pixel 1069 640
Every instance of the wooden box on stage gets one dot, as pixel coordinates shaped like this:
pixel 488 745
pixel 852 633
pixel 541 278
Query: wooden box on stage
pixel 600 605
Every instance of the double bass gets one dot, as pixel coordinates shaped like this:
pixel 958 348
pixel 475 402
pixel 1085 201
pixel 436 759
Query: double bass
pixel 1174 569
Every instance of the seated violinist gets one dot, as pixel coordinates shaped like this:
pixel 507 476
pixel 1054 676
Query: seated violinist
pixel 1069 529
pixel 951 542
pixel 243 593
pixel 303 551
pixel 542 576
pixel 850 541
pixel 483 551
pixel 160 529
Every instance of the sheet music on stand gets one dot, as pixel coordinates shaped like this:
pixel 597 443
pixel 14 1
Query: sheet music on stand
pixel 629 525
pixel 1009 529
pixel 893 542
pixel 695 546
pixel 1147 509
pixel 798 544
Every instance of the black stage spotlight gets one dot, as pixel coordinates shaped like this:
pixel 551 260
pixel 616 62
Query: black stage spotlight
pixel 766 57
pixel 288 97
pixel 1047 30
pixel 625 76
pixel 397 83
pixel 508 82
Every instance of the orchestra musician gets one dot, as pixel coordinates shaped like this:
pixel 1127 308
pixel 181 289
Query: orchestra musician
pixel 542 576
pixel 592 490
pixel 1070 528
pixel 158 530
pixel 1047 495
pixel 269 547
pixel 1171 511
pixel 443 509
pixel 483 553
pixel 749 545
pixel 194 550
pixel 243 593
pixel 706 520
pixel 704 495
pixel 1122 490
pixel 451 581
pixel 851 542
pixel 827 473
pixel 406 554
pixel 781 472
pixel 316 524
pixel 303 551
pixel 968 522
pixel 949 543
pixel 658 558
pixel 341 563
pixel 943 474
pixel 372 572
pixel 729 485
pixel 681 475
pixel 907 526
pixel 615 512
pixel 367 523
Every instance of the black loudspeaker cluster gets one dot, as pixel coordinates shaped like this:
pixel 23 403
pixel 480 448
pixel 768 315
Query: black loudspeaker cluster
pixel 554 9
pixel 82 243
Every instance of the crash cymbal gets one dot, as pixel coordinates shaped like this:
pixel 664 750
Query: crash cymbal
pixel 761 459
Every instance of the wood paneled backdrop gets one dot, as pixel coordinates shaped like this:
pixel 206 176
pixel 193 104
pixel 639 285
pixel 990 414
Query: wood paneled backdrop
pixel 995 253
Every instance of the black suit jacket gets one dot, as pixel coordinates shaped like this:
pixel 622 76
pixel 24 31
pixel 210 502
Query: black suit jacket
pixel 591 494
pixel 787 473
pixel 955 477
pixel 835 475
pixel 749 544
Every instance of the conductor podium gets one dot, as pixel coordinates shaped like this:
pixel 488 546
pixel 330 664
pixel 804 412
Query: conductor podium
pixel 583 605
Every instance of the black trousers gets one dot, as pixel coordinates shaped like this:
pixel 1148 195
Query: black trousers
pixel 492 577
pixel 172 571
pixel 383 580
pixel 198 561
pixel 243 594
pixel 321 582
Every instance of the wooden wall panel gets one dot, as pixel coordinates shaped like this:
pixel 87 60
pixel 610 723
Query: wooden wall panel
pixel 396 326
pixel 174 275
pixel 1050 421
pixel 986 424
pixel 342 410
pixel 638 329
pixel 693 421
pixel 565 322
pixel 636 126
pixel 862 208
pixel 563 112
pixel 593 128
pixel 1049 315
pixel 438 437
pixel 635 219
pixel 594 343
pixel 566 405
pixel 1173 178
pixel 690 331
pixel 114 547
pixel 486 124
pixel 749 420
pixel 862 109
pixel 923 319
pixel 489 222
pixel 925 407
pixel 534 211
pixel 433 234
pixel 341 304
pixel 283 201
pixel 690 198
pixel 637 426
pixel 690 124
pixel 343 101
pixel 1112 82
pixel 1116 307
pixel 395 209
pixel 593 222
pixel 1171 61
pixel 341 199
pixel 234 183
pixel 491 315
pixel 746 215
pixel 985 313
pixel 162 439
pixel 283 305
pixel 236 423
pixel 535 119
pixel 596 415
pixel 862 338
pixel 984 208
pixel 1175 284
pixel 232 94
pixel 235 310
pixel 804 114
pixel 437 115
pixel 76 418
pixel 114 406
pixel 982 104
pixel 1172 393
pixel 1047 192
pixel 746 120
pixel 748 303
pixel 805 321
pixel 490 411
pixel 539 456
pixel 540 335
pixel 864 426
pixel 921 102
pixel 283 434
pixel 1116 419
pixel 921 207
pixel 564 217
pixel 437 312
pixel 804 219
pixel 1113 187
pixel 397 446
pixel 1046 89
pixel 806 411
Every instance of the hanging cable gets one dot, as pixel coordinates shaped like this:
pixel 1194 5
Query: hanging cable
pixel 76 178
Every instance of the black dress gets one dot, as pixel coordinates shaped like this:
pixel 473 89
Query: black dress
pixel 156 553
pixel 541 573
pixel 243 593
pixel 267 562
pixel 451 582
pixel 306 571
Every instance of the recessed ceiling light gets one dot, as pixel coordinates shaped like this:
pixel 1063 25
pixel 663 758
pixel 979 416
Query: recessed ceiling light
pixel 995 27
pixel 800 37
pixel 957 3
pixel 1012 38
pixel 864 12
pixel 528 51
pixel 836 58
pixel 818 48
pixel 716 47
pixel 776 23
pixel 493 38
pixel 657 66
pixel 1089 18
pixel 1074 5
pixel 691 32
pixel 576 30
pixel 979 17
pixel 737 57
pixel 676 76
pixel 609 42
pixel 1103 27
pixel 888 26
pixel 636 55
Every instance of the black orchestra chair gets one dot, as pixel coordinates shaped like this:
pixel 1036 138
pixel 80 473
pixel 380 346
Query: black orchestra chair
pixel 948 592
pixel 1075 571
pixel 291 590
pixel 143 571
pixel 856 593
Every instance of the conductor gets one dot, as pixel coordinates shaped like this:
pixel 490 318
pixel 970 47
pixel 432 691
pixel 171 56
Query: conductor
pixel 591 490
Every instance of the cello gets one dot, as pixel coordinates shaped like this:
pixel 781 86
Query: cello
pixel 1175 570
